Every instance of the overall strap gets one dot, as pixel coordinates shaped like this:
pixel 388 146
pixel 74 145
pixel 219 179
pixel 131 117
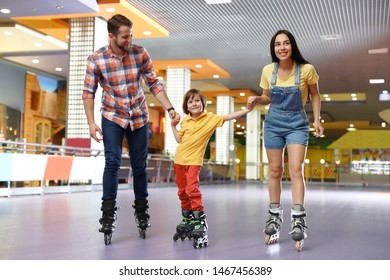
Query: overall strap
pixel 298 74
pixel 274 73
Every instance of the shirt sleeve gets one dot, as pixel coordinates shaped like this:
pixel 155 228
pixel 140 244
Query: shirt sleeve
pixel 149 74
pixel 91 79
pixel 312 76
pixel 266 75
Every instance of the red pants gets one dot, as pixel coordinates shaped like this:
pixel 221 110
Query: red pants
pixel 187 180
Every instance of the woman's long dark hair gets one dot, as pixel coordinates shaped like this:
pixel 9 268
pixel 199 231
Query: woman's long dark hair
pixel 296 54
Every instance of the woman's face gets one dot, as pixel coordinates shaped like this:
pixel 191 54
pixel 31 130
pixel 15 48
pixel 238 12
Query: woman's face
pixel 283 50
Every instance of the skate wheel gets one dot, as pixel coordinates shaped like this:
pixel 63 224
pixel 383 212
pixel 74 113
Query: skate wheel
pixel 142 233
pixel 299 245
pixel 175 237
pixel 195 244
pixel 266 240
pixel 107 238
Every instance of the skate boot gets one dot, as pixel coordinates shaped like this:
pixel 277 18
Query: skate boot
pixel 184 229
pixel 199 233
pixel 298 225
pixel 108 219
pixel 273 224
pixel 141 216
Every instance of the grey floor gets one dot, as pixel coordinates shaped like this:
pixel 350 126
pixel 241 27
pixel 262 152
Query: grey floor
pixel 345 223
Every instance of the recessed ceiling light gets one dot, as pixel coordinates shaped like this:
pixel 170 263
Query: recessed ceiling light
pixel 110 10
pixel 58 69
pixel 215 76
pixel 327 99
pixel 209 102
pixel 37 44
pixel 354 98
pixel 353 94
pixel 35 61
pixel 59 7
pixel 242 93
pixel 378 51
pixel 7 33
pixel 147 33
pixel 351 129
pixel 198 65
pixel 5 11
pixel 377 81
pixel 383 124
pixel 331 37
pixel 151 104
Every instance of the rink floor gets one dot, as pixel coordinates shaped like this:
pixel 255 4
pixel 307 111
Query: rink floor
pixel 345 223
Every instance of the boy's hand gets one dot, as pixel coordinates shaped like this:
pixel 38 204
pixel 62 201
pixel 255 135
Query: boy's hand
pixel 175 121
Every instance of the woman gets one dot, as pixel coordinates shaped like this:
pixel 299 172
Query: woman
pixel 287 83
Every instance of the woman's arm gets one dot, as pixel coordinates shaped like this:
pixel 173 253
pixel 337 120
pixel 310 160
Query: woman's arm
pixel 316 103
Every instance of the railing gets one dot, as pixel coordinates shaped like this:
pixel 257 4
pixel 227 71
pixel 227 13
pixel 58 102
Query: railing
pixel 27 168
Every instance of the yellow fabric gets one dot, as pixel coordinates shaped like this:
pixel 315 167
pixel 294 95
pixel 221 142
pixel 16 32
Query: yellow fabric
pixel 309 76
pixel 195 134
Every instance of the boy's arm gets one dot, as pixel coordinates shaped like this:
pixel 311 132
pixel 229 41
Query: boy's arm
pixel 176 133
pixel 236 115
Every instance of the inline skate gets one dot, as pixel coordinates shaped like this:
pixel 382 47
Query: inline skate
pixel 199 233
pixel 141 216
pixel 298 225
pixel 184 229
pixel 273 224
pixel 108 219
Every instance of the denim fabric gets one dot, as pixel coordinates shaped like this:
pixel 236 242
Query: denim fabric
pixel 286 121
pixel 137 142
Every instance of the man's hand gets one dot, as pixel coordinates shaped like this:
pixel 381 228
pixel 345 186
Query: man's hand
pixel 93 130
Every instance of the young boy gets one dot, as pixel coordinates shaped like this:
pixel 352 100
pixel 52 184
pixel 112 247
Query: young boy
pixel 196 129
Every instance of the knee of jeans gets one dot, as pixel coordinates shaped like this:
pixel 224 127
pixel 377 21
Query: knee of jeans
pixel 139 169
pixel 113 160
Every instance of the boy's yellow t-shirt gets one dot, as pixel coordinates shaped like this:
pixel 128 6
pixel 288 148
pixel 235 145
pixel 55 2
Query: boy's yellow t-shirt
pixel 309 76
pixel 195 134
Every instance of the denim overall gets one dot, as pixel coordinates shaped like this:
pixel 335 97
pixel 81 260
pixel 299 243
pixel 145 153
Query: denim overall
pixel 286 121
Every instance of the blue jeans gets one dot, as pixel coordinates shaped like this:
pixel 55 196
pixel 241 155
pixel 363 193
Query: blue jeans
pixel 137 142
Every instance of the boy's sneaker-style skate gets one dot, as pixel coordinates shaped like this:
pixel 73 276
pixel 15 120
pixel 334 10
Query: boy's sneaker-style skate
pixel 273 224
pixel 184 229
pixel 298 225
pixel 141 216
pixel 199 233
pixel 108 219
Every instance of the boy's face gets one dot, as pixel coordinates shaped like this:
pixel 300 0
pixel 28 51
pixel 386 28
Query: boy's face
pixel 194 105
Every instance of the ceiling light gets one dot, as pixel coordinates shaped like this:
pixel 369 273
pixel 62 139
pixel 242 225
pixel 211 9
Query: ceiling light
pixel 58 69
pixel 41 36
pixel 326 95
pixel 8 33
pixel 215 76
pixel 5 11
pixel 198 65
pixel 211 2
pixel 242 93
pixel 351 129
pixel 378 51
pixel 147 33
pixel 353 94
pixel 37 44
pixel 354 98
pixel 151 104
pixel 209 102
pixel 351 125
pixel 383 124
pixel 377 81
pixel 59 7
pixel 331 37
pixel 327 99
pixel 110 10
pixel 35 61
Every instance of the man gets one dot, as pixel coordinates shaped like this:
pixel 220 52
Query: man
pixel 119 68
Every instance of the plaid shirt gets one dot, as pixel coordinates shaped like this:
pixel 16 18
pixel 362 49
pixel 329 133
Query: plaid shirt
pixel 123 99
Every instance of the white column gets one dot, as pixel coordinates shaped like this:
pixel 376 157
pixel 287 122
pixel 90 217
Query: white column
pixel 253 137
pixel 81 42
pixel 178 83
pixel 224 139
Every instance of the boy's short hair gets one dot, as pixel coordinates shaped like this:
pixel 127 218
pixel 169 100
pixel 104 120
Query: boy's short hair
pixel 189 94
